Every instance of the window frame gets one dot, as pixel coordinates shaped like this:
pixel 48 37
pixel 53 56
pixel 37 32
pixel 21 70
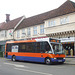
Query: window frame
pixel 51 23
pixel 35 30
pixel 18 34
pixel 64 20
pixel 41 29
pixel 23 33
pixel 29 31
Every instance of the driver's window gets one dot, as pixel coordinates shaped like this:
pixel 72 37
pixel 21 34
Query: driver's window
pixel 48 48
pixel 55 47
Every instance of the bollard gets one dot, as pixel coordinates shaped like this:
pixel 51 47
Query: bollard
pixel 71 52
pixel 3 54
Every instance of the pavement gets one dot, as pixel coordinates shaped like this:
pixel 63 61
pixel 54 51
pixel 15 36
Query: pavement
pixel 70 61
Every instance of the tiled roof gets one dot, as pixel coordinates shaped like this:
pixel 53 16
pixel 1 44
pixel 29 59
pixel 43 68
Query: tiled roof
pixel 66 8
pixel 11 24
pixel 1 24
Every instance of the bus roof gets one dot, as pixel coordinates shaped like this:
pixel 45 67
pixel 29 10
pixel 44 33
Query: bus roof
pixel 42 39
pixel 21 41
pixel 36 40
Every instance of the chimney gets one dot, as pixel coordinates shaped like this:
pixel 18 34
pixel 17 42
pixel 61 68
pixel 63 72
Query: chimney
pixel 7 17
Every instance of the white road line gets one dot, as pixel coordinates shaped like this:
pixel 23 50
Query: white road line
pixel 33 71
pixel 17 65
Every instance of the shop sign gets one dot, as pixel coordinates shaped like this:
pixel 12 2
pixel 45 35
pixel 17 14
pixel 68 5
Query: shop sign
pixel 70 39
pixel 10 32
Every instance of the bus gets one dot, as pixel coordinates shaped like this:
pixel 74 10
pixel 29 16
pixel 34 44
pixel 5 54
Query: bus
pixel 45 50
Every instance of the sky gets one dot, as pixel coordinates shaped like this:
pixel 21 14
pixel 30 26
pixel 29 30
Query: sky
pixel 27 8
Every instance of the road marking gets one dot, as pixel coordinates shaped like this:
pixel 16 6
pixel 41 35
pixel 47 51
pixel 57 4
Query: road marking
pixel 17 65
pixel 33 71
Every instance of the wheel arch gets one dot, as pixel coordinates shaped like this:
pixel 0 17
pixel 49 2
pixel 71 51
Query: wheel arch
pixel 46 58
pixel 12 57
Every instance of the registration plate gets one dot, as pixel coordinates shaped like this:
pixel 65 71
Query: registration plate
pixel 59 60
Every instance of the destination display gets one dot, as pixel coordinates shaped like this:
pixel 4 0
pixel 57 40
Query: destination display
pixel 54 40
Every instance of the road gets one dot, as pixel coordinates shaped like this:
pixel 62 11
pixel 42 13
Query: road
pixel 7 67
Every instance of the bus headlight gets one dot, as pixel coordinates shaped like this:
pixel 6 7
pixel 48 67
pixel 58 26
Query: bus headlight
pixel 63 58
pixel 54 58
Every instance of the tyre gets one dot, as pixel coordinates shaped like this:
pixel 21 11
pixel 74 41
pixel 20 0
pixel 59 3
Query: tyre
pixel 47 61
pixel 6 54
pixel 13 58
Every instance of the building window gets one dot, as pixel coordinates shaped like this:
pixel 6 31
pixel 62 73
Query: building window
pixel 18 34
pixel 35 30
pixel 28 31
pixel 64 20
pixel 41 29
pixel 51 23
pixel 23 33
pixel 3 33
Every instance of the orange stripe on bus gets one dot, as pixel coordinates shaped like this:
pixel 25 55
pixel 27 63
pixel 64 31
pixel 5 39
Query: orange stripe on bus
pixel 21 41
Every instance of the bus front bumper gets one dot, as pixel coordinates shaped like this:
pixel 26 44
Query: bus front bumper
pixel 57 60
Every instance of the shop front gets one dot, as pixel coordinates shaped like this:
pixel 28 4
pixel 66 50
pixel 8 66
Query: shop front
pixel 69 48
pixel 2 48
pixel 68 45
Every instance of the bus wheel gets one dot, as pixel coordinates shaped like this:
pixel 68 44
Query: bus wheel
pixel 47 61
pixel 6 54
pixel 13 58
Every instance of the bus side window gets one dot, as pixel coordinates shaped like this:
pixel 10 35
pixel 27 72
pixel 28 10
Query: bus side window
pixel 35 47
pixel 29 47
pixel 22 47
pixel 48 48
pixel 38 47
pixel 8 48
pixel 42 47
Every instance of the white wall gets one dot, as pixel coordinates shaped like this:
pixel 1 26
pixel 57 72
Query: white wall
pixel 32 35
pixel 6 35
pixel 61 27
pixel 48 30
